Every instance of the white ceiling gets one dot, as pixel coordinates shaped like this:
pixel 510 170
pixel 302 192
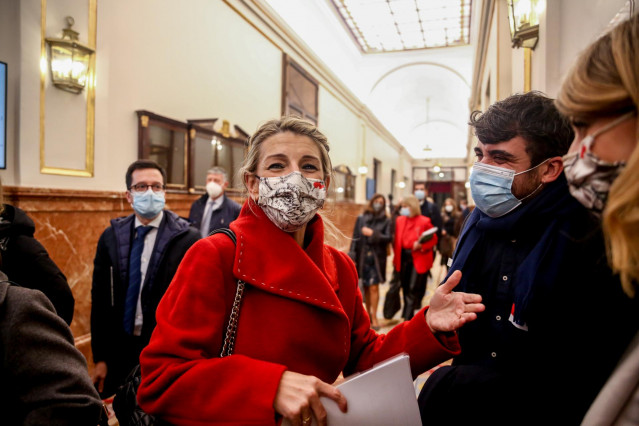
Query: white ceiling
pixel 421 96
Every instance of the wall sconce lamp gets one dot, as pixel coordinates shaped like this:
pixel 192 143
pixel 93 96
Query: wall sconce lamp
pixel 524 31
pixel 363 169
pixel 69 60
pixel 524 22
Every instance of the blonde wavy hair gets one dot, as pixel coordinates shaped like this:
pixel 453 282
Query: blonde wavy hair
pixel 413 204
pixel 604 82
pixel 300 127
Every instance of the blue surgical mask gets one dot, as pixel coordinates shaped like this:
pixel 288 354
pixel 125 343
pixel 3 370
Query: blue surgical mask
pixel 491 187
pixel 404 211
pixel 420 194
pixel 148 204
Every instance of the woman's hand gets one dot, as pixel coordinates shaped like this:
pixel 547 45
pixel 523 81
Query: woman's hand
pixel 366 231
pixel 450 310
pixel 297 398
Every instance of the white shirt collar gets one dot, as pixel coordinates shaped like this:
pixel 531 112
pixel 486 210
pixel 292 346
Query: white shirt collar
pixel 154 223
pixel 215 204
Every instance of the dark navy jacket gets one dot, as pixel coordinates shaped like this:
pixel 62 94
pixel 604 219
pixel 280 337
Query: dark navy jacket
pixel 110 282
pixel 220 218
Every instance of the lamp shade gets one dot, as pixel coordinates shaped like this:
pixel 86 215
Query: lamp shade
pixel 524 22
pixel 69 60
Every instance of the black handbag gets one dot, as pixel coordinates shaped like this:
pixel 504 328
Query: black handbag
pixel 125 402
pixel 392 301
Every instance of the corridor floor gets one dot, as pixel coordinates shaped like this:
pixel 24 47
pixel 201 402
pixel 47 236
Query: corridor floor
pixel 438 273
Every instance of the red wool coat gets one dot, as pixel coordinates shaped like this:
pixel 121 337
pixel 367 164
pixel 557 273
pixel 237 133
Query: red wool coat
pixel 301 311
pixel 423 258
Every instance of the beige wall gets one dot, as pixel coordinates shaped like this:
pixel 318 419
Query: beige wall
pixel 195 59
pixel 10 36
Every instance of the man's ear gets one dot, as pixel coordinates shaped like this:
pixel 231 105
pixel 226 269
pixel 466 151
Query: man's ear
pixel 552 169
pixel 129 198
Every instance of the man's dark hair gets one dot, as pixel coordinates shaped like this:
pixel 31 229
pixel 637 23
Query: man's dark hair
pixel 534 117
pixel 143 164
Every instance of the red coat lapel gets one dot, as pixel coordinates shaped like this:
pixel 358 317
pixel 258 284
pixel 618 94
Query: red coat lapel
pixel 266 258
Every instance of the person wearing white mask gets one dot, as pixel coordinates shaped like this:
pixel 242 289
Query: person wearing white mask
pixel 538 259
pixel 301 321
pixel 412 258
pixel 214 210
pixel 372 235
pixel 135 260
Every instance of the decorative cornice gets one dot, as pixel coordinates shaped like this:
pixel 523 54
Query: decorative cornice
pixel 285 39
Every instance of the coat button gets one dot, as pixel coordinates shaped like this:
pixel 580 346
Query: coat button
pixel 498 317
pixel 493 354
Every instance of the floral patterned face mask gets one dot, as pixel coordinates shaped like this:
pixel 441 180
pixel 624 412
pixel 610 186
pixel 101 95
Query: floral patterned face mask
pixel 291 201
pixel 589 177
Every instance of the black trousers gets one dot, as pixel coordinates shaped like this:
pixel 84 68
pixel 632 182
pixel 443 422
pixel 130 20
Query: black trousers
pixel 411 284
pixel 124 357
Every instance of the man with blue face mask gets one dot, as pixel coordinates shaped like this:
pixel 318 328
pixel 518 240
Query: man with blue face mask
pixel 538 260
pixel 135 261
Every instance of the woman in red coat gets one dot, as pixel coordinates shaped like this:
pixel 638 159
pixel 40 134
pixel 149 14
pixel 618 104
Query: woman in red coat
pixel 412 259
pixel 301 322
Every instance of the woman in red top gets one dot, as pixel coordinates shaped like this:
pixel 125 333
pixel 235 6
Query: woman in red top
pixel 412 259
pixel 302 321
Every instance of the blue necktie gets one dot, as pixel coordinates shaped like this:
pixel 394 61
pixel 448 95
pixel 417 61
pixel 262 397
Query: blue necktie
pixel 206 220
pixel 135 278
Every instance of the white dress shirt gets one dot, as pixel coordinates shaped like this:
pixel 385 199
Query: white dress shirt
pixel 147 251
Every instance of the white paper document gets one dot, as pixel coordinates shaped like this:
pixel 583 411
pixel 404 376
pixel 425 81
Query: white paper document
pixel 383 395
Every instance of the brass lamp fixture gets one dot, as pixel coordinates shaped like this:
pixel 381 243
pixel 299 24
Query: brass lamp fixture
pixel 69 60
pixel 524 22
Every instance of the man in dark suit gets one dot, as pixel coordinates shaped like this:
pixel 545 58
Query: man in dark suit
pixel 214 210
pixel 135 261
pixel 430 210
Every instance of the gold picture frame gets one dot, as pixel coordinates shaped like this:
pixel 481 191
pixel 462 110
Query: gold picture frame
pixel 88 170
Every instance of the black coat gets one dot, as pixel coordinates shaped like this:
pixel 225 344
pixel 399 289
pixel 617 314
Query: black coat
pixel 431 211
pixel 26 262
pixel 227 213
pixel 44 378
pixel 547 258
pixel 378 242
pixel 109 340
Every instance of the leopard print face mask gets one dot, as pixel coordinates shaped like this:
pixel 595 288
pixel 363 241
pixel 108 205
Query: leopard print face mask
pixel 291 201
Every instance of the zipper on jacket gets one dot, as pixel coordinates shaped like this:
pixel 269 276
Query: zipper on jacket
pixel 112 298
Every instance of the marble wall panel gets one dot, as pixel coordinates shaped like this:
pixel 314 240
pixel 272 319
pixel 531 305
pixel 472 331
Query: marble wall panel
pixel 70 222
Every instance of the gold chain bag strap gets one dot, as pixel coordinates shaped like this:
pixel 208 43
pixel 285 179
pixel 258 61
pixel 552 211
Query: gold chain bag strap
pixel 231 328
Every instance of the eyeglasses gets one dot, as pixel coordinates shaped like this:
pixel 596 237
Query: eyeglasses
pixel 143 187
